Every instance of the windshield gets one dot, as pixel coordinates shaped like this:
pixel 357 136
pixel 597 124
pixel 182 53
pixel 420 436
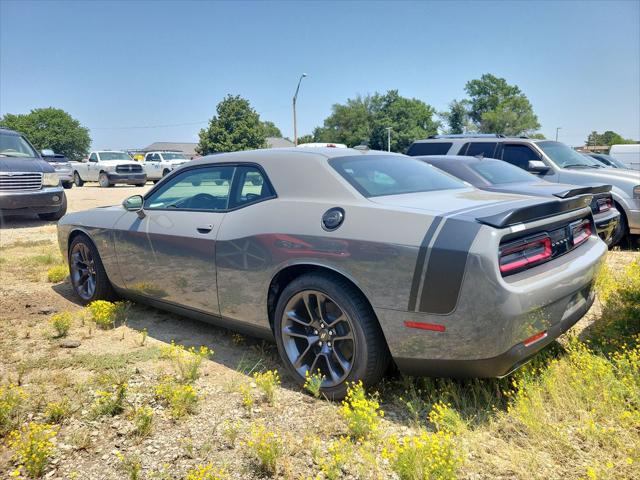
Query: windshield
pixel 114 156
pixel 173 156
pixel 498 172
pixel 566 157
pixel 15 146
pixel 610 159
pixel 375 175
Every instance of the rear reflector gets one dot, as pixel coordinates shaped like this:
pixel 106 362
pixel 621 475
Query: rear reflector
pixel 521 254
pixel 580 232
pixel 536 338
pixel 425 326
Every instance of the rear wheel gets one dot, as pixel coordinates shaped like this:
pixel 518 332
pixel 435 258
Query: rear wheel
pixel 88 277
pixel 77 180
pixel 67 185
pixel 323 323
pixel 165 172
pixel 103 180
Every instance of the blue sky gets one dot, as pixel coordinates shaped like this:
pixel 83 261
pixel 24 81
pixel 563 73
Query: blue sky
pixel 132 64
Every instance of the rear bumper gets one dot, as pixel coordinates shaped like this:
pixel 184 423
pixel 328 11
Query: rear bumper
pixel 45 200
pixel 606 223
pixel 507 362
pixel 484 335
pixel 127 178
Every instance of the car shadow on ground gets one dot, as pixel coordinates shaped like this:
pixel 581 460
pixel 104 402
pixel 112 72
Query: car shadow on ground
pixel 23 221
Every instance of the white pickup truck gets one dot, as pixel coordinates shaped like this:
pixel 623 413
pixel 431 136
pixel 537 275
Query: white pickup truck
pixel 158 164
pixel 108 167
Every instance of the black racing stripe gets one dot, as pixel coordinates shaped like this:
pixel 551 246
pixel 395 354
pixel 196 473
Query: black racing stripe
pixel 422 253
pixel 446 266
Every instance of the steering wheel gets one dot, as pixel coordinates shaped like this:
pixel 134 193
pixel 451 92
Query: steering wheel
pixel 200 200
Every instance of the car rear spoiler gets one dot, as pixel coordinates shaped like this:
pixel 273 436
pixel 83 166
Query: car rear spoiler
pixel 584 191
pixel 537 211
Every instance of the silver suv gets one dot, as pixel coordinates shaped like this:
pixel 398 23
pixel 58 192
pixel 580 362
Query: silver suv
pixel 551 161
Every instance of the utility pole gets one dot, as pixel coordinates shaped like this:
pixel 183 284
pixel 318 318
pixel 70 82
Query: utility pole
pixel 557 129
pixel 295 97
pixel 388 139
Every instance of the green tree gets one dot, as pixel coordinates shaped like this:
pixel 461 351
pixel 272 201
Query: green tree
pixel 236 127
pixel 538 136
pixel 270 129
pixel 305 139
pixel 51 128
pixel 497 107
pixel 607 138
pixel 456 117
pixel 366 119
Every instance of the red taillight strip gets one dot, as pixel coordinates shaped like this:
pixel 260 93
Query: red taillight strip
pixel 425 326
pixel 583 235
pixel 546 242
pixel 537 337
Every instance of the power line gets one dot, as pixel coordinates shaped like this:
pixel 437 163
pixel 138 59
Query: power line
pixel 135 127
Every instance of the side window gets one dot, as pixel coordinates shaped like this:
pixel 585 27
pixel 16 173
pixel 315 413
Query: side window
pixel 93 157
pixel 250 187
pixel 429 148
pixel 204 188
pixel 518 155
pixel 486 149
pixel 156 157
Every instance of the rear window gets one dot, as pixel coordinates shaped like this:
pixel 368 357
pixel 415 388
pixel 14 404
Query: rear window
pixel 485 149
pixel 497 172
pixel 378 175
pixel 434 148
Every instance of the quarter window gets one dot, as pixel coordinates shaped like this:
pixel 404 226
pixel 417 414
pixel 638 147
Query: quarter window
pixel 518 155
pixel 432 148
pixel 251 187
pixel 204 188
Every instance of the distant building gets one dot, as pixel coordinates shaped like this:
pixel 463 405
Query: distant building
pixel 189 149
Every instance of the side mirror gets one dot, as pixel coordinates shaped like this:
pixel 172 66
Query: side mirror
pixel 47 152
pixel 537 166
pixel 134 204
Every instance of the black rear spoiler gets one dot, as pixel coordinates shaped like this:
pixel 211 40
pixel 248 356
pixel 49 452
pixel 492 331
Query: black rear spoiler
pixel 537 211
pixel 584 191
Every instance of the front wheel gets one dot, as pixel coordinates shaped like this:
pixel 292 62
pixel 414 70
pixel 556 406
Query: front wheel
pixel 88 277
pixel 103 180
pixel 324 325
pixel 77 180
pixel 620 231
pixel 67 185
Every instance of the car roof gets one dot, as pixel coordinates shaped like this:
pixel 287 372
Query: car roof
pixel 7 131
pixel 458 158
pixel 464 139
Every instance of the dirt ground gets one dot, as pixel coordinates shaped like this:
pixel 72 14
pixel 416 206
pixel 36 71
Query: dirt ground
pixel 89 448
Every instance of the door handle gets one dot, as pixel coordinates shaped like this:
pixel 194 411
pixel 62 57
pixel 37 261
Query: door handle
pixel 205 229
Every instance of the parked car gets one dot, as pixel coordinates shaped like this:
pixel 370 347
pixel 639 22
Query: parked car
pixel 628 154
pixel 380 256
pixel 607 160
pixel 28 184
pixel 61 165
pixel 108 168
pixel 551 161
pixel 322 145
pixel 158 164
pixel 498 176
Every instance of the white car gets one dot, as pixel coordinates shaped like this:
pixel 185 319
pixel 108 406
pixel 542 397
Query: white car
pixel 108 167
pixel 158 164
pixel 628 154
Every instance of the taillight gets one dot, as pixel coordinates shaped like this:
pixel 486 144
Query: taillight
pixel 580 232
pixel 604 204
pixel 521 254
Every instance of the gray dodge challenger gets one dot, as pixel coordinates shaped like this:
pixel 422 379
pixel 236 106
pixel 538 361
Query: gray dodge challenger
pixel 349 258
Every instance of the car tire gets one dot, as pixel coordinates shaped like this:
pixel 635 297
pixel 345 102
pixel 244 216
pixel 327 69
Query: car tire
pixel 103 180
pixel 77 180
pixel 56 215
pixel 166 172
pixel 67 185
pixel 102 288
pixel 620 231
pixel 140 184
pixel 363 357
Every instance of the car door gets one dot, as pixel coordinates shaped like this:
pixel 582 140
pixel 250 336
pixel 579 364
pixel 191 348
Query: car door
pixel 520 154
pixel 169 253
pixel 92 168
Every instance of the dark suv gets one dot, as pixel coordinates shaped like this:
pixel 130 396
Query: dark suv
pixel 28 184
